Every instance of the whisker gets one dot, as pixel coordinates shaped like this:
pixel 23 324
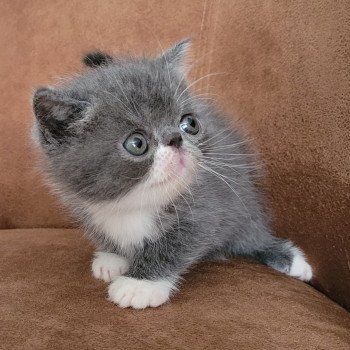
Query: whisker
pixel 189 68
pixel 126 110
pixel 223 168
pixel 231 145
pixel 183 197
pixel 185 185
pixel 233 166
pixel 196 97
pixel 196 81
pixel 130 101
pixel 229 158
pixel 213 137
pixel 166 61
pixel 157 211
pixel 173 204
pixel 223 139
pixel 242 180
pixel 220 177
pixel 231 154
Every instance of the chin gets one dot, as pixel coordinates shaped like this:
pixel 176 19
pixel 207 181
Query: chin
pixel 171 175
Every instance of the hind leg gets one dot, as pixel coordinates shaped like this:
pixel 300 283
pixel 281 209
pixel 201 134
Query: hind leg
pixel 283 256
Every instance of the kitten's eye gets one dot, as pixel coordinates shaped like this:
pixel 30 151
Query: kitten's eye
pixel 136 144
pixel 189 124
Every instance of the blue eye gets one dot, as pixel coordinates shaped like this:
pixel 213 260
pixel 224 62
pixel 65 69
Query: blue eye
pixel 136 144
pixel 189 124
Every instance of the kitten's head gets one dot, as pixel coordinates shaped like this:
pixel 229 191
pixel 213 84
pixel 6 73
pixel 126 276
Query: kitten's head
pixel 127 126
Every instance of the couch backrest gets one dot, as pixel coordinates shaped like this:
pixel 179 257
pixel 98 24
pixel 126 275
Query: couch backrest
pixel 287 78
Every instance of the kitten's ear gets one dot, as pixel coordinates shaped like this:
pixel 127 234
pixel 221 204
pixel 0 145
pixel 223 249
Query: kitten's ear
pixel 97 58
pixel 175 56
pixel 57 113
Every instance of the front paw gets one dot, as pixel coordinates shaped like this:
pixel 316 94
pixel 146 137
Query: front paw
pixel 108 266
pixel 139 294
pixel 300 268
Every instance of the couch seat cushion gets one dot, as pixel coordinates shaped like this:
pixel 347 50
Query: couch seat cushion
pixel 49 300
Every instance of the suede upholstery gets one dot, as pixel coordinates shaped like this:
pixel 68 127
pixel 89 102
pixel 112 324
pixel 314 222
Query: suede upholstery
pixel 286 78
pixel 49 300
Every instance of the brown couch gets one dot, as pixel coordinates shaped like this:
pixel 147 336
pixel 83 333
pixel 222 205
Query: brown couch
pixel 287 77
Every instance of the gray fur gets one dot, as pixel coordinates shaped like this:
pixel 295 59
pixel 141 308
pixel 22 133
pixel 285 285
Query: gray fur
pixel 81 127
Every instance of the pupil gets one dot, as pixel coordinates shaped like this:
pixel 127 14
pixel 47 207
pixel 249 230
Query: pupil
pixel 137 142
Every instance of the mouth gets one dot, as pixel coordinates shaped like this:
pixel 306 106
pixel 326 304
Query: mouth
pixel 179 167
pixel 181 161
pixel 173 169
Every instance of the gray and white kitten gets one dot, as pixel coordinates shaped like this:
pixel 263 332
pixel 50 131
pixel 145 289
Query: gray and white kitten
pixel 158 178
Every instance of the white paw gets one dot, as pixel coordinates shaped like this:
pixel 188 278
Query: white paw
pixel 139 294
pixel 300 267
pixel 108 266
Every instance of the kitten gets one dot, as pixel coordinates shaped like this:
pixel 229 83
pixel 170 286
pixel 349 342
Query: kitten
pixel 159 179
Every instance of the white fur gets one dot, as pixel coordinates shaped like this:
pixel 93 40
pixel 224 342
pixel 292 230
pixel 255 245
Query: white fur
pixel 139 294
pixel 126 228
pixel 300 267
pixel 108 266
pixel 132 219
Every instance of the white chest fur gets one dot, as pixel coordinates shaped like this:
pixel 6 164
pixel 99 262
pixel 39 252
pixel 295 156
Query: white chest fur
pixel 126 228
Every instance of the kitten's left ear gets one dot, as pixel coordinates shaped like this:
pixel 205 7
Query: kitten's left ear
pixel 58 114
pixel 175 56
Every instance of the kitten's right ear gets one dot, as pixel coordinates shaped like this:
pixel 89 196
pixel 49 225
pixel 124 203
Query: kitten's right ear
pixel 57 113
pixel 175 56
pixel 97 58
